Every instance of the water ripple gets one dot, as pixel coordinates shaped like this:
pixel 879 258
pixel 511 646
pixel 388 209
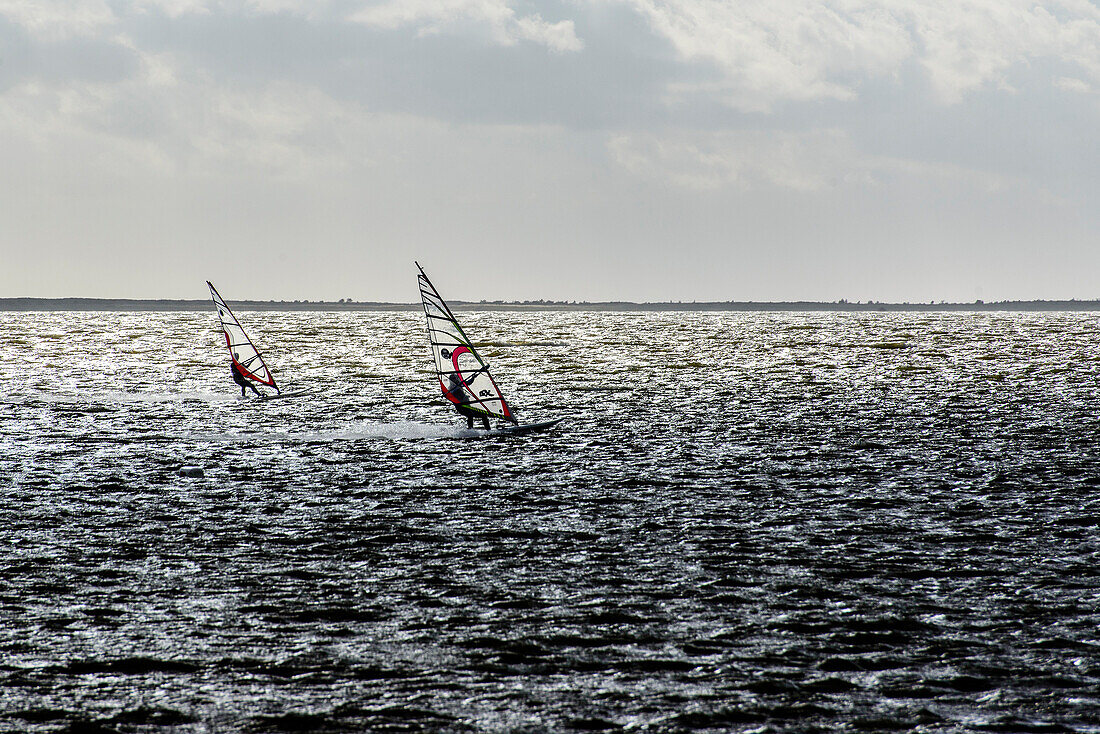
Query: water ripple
pixel 748 522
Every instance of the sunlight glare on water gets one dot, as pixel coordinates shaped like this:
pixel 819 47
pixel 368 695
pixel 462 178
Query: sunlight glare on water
pixel 802 521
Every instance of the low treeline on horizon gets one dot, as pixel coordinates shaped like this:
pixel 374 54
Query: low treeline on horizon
pixel 346 304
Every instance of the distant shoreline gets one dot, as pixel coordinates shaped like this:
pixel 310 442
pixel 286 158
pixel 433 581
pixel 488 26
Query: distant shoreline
pixel 126 304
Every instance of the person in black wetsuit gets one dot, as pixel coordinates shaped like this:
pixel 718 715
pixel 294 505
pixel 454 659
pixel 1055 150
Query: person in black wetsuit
pixel 240 379
pixel 455 388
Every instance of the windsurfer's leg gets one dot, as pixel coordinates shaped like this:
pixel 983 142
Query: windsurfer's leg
pixel 485 422
pixel 242 391
pixel 469 422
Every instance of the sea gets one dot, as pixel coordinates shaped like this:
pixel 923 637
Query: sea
pixel 745 522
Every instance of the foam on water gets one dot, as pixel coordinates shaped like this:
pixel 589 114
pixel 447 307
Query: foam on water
pixel 354 431
pixel 175 396
pixel 396 431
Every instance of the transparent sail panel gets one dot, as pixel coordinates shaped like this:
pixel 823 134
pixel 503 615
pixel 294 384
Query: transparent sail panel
pixel 243 352
pixel 463 375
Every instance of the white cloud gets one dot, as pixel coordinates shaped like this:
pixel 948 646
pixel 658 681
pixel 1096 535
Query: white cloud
pixel 58 19
pixel 783 51
pixel 809 161
pixel 265 124
pixel 506 26
pixel 311 9
pixel 742 159
pixel 1070 84
pixel 175 8
pixel 812 49
pixel 157 126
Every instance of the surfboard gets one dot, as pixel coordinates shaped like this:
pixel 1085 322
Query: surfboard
pixel 528 427
pixel 288 394
pixel 509 430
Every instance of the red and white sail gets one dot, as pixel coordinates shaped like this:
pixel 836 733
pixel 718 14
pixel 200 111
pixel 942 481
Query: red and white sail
pixel 241 349
pixel 463 375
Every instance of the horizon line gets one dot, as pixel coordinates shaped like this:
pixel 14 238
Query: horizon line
pixel 82 303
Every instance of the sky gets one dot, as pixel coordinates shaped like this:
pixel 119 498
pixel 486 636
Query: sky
pixel 644 150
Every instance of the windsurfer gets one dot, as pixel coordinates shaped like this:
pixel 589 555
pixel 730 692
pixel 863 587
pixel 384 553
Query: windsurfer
pixel 240 379
pixel 458 396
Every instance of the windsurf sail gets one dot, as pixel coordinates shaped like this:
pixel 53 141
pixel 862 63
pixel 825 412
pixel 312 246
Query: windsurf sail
pixel 463 375
pixel 241 349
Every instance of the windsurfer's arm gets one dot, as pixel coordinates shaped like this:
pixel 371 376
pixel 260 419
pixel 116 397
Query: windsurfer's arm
pixel 475 373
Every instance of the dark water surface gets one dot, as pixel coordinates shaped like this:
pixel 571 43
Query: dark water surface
pixel 749 522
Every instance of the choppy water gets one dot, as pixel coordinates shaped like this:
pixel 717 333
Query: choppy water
pixel 765 522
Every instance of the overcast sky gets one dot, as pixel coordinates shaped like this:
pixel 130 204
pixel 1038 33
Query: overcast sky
pixel 560 149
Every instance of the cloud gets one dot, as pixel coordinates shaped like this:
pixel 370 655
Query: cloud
pixel 785 51
pixel 1070 84
pixel 795 161
pixel 746 159
pixel 749 56
pixel 313 9
pixel 804 50
pixel 65 18
pixel 174 8
pixel 59 19
pixel 161 120
pixel 582 128
pixel 505 25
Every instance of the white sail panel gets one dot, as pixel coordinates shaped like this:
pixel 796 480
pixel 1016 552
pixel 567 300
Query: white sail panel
pixel 241 349
pixel 463 375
